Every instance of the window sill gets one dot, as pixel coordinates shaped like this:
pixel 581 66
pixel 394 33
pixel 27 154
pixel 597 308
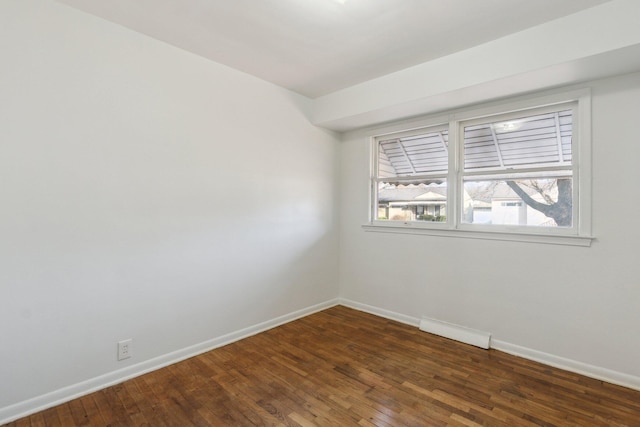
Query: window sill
pixel 404 228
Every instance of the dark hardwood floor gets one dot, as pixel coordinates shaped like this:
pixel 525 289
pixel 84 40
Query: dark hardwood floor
pixel 342 367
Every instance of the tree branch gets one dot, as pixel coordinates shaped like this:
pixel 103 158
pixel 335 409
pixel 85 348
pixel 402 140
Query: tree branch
pixel 542 191
pixel 542 207
pixel 560 211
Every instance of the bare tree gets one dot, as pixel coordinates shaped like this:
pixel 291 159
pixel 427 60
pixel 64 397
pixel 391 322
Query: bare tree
pixel 560 210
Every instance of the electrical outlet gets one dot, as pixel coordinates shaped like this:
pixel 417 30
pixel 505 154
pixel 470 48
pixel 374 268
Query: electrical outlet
pixel 124 349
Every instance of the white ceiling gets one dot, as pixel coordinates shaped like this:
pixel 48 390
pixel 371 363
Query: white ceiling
pixel 316 47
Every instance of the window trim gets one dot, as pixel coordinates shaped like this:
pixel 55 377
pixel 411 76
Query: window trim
pixel 374 179
pixel 578 235
pixel 575 142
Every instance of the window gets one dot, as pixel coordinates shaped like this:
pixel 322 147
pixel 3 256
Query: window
pixel 511 173
pixel 411 178
pixel 520 166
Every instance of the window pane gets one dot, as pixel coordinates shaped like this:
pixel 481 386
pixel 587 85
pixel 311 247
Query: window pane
pixel 542 202
pixel 413 155
pixel 425 200
pixel 532 141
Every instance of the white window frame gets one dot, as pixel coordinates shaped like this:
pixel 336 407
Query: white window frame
pixel 577 235
pixel 375 180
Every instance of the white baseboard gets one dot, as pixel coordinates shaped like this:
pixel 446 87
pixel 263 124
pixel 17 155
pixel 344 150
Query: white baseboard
pixel 39 403
pixel 456 332
pixel 57 397
pixel 591 371
pixel 387 314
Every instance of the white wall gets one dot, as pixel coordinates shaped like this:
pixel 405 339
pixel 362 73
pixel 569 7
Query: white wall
pixel 146 193
pixel 578 303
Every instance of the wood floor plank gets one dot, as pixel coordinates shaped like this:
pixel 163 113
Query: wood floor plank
pixel 36 420
pixel 91 410
pixel 51 417
pixel 24 422
pixel 77 413
pixel 342 367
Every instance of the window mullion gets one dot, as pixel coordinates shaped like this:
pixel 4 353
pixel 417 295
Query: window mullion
pixel 581 146
pixel 454 180
pixel 373 191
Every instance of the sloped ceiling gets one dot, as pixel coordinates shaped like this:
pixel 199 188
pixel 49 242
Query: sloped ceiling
pixel 366 62
pixel 315 47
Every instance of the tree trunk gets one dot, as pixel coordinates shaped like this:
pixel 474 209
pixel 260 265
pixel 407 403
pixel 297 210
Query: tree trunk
pixel 561 211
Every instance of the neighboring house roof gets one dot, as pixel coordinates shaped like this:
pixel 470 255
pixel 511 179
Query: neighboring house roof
pixel 412 192
pixel 503 192
pixel 480 196
pixel 500 190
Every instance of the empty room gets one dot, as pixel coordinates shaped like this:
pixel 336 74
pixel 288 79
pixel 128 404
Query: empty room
pixel 319 213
